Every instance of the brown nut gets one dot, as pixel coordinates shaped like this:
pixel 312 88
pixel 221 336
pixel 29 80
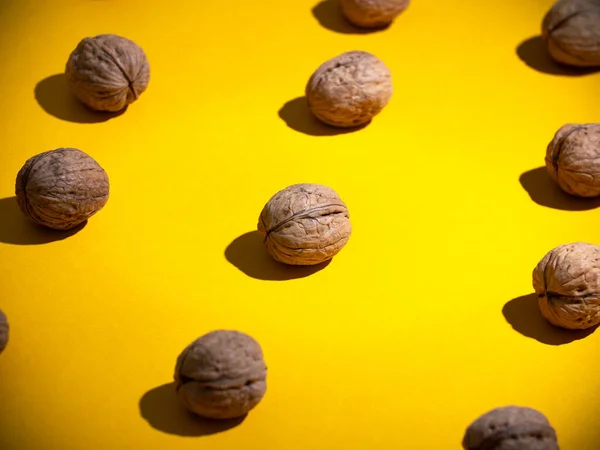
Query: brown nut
pixel 305 224
pixel 573 159
pixel 567 283
pixel 107 72
pixel 571 32
pixel 511 428
pixel 372 13
pixel 349 90
pixel 221 375
pixel 61 188
pixel 4 329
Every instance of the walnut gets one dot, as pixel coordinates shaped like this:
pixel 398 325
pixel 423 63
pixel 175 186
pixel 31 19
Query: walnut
pixel 372 13
pixel 349 90
pixel 221 375
pixel 511 428
pixel 573 159
pixel 567 283
pixel 4 328
pixel 571 32
pixel 305 224
pixel 107 72
pixel 61 188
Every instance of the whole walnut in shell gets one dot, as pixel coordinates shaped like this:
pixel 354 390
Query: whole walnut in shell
pixel 567 283
pixel 573 159
pixel 4 328
pixel 305 224
pixel 221 375
pixel 349 90
pixel 571 32
pixel 61 188
pixel 511 428
pixel 372 13
pixel 107 72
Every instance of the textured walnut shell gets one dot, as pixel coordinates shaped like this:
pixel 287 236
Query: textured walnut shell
pixel 372 13
pixel 107 72
pixel 349 90
pixel 511 428
pixel 573 159
pixel 571 32
pixel 61 188
pixel 221 375
pixel 4 328
pixel 567 283
pixel 305 224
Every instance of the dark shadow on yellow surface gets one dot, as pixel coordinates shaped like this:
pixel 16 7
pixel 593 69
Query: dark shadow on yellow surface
pixel 329 15
pixel 17 229
pixel 545 192
pixel 54 96
pixel 297 116
pixel 249 254
pixel 161 408
pixel 533 53
pixel 525 317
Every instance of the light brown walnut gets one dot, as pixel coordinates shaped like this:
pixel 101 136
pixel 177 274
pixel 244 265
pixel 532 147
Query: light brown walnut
pixel 511 428
pixel 61 188
pixel 4 331
pixel 567 284
pixel 107 72
pixel 372 13
pixel 573 159
pixel 349 90
pixel 305 224
pixel 571 32
pixel 221 375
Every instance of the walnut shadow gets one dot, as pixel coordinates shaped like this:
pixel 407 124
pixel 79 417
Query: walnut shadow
pixel 525 317
pixel 533 53
pixel 297 116
pixel 249 255
pixel 17 229
pixel 54 96
pixel 161 408
pixel 545 192
pixel 329 16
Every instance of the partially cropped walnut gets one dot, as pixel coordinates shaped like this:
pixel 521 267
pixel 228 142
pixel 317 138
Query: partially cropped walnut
pixel 221 375
pixel 571 31
pixel 107 72
pixel 511 428
pixel 567 283
pixel 4 328
pixel 349 90
pixel 61 188
pixel 573 159
pixel 305 224
pixel 372 13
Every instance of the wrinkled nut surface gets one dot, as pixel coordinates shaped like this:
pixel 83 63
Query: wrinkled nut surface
pixel 511 428
pixel 372 13
pixel 567 283
pixel 573 159
pixel 3 331
pixel 305 224
pixel 349 90
pixel 571 32
pixel 107 72
pixel 61 188
pixel 221 375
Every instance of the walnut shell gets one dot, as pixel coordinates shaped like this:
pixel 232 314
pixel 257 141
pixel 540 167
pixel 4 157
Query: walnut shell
pixel 107 72
pixel 571 32
pixel 372 13
pixel 349 90
pixel 4 329
pixel 305 224
pixel 573 159
pixel 221 375
pixel 511 428
pixel 61 188
pixel 567 283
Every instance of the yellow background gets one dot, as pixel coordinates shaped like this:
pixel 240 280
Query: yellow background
pixel 422 323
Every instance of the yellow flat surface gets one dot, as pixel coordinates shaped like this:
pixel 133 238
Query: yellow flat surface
pixel 422 323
